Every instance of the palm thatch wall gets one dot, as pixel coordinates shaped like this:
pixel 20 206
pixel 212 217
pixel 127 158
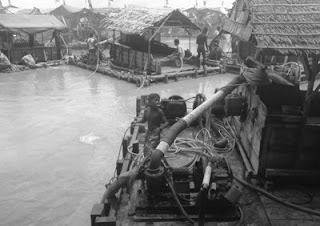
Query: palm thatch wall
pixel 138 20
pixel 288 26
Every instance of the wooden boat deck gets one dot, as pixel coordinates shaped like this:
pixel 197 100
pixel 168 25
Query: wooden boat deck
pixel 256 209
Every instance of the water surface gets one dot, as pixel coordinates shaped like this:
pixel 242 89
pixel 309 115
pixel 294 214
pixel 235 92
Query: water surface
pixel 60 133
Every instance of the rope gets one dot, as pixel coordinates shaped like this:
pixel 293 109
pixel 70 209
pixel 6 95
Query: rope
pixel 254 78
pixel 202 146
pixel 65 44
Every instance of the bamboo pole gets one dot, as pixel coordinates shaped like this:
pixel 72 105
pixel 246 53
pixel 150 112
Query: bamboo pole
pixel 311 80
pixel 9 45
pixel 311 71
pixel 150 39
pixel 314 92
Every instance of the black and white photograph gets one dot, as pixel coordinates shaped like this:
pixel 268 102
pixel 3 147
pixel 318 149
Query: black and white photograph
pixel 160 113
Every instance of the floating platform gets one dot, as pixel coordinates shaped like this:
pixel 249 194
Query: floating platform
pixel 142 79
pixel 18 68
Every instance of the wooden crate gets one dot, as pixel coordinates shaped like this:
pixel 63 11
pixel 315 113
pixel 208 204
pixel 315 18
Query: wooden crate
pixel 272 138
pixel 37 53
pixel 132 59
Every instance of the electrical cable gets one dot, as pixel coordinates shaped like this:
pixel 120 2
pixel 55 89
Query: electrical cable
pixel 275 198
pixel 241 217
pixel 298 188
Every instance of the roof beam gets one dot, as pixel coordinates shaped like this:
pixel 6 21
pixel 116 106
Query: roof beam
pixel 283 22
pixel 286 13
pixel 288 47
pixel 257 5
pixel 287 34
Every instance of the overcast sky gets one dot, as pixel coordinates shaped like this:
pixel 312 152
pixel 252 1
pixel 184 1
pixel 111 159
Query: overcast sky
pixel 117 3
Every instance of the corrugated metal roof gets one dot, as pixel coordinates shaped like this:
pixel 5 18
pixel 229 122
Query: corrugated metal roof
pixel 30 24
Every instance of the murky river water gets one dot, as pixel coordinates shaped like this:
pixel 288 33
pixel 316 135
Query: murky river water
pixel 59 138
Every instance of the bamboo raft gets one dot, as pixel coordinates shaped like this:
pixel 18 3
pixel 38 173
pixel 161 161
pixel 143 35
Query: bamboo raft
pixel 142 79
pixel 20 68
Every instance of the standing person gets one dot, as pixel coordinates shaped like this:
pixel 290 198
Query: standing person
pixel 178 54
pixel 202 44
pixel 92 48
pixel 156 120
pixel 215 40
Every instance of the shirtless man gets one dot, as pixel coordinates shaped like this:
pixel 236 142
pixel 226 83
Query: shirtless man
pixel 202 44
pixel 91 42
pixel 178 54
pixel 28 60
pixel 156 120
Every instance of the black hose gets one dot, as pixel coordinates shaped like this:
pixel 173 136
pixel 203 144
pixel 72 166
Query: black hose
pixel 175 196
pixel 275 198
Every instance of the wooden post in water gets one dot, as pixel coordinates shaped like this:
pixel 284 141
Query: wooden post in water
pixel 205 70
pixel 125 146
pixel 138 106
pixel 166 80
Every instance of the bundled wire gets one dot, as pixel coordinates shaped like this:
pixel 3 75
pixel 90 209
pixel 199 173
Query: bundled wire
pixel 202 147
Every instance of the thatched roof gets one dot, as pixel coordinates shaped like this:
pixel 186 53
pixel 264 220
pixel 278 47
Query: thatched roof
pixel 137 20
pixel 289 26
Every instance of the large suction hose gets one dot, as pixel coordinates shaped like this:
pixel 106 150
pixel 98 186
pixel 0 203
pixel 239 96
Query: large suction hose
pixel 120 182
pixel 183 123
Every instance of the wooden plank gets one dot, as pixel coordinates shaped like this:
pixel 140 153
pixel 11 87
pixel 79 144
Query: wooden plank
pixel 292 172
pixel 263 156
pixel 294 223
